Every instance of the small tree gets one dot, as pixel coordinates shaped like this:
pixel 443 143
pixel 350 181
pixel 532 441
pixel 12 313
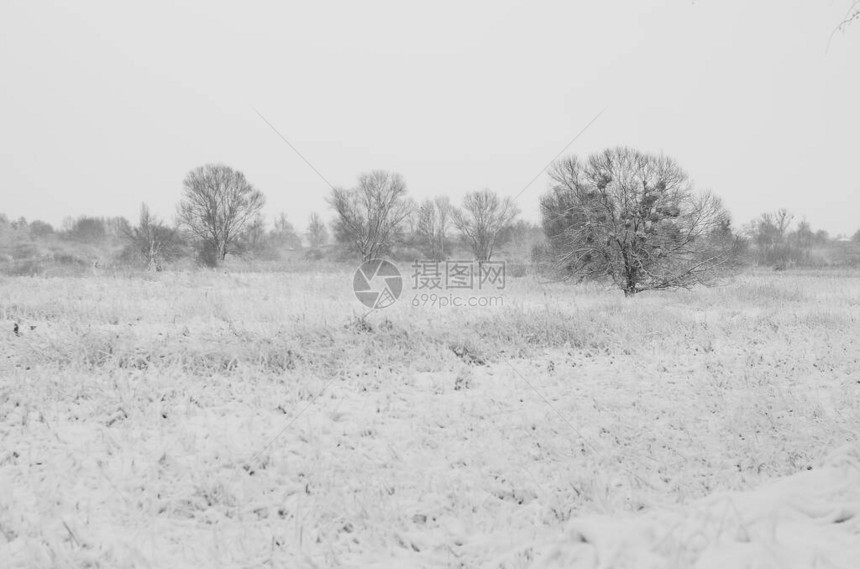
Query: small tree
pixel 284 234
pixel 802 236
pixel 772 228
pixel 116 227
pixel 151 241
pixel 822 237
pixel 634 218
pixel 217 205
pixel 433 218
pixel 369 217
pixel 17 230
pixel 317 232
pixel 8 230
pixel 253 237
pixel 484 219
pixel 776 244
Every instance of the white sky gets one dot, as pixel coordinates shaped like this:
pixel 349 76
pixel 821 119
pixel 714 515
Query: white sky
pixel 103 105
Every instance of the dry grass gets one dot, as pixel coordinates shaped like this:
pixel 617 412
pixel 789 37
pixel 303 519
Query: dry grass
pixel 243 420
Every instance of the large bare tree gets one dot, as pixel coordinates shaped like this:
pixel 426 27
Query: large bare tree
pixel 433 219
pixel 483 220
pixel 369 216
pixel 217 204
pixel 635 218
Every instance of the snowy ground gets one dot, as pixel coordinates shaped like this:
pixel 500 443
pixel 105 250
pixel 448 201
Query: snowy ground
pixel 240 420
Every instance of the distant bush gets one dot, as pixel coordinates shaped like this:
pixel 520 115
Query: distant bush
pixel 68 259
pixel 313 255
pixel 40 229
pixel 23 250
pixel 28 268
pixel 87 230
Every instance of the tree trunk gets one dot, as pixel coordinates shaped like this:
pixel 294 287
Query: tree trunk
pixel 152 257
pixel 630 285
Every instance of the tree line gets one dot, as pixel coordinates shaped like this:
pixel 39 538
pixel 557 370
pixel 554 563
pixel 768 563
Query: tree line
pixel 624 216
pixel 222 212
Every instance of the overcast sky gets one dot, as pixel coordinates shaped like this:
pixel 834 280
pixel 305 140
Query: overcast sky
pixel 104 105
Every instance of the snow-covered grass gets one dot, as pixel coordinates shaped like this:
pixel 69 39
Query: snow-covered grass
pixel 261 420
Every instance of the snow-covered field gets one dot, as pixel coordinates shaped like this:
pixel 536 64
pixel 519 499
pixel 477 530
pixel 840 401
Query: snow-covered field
pixel 255 420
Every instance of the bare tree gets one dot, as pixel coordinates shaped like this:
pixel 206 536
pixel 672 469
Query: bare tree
pixel 317 232
pixel 484 219
pixel 284 234
pixel 252 239
pixel 369 216
pixel 635 219
pixel 217 204
pixel 151 241
pixel 802 236
pixel 770 235
pixel 116 227
pixel 771 228
pixel 433 218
